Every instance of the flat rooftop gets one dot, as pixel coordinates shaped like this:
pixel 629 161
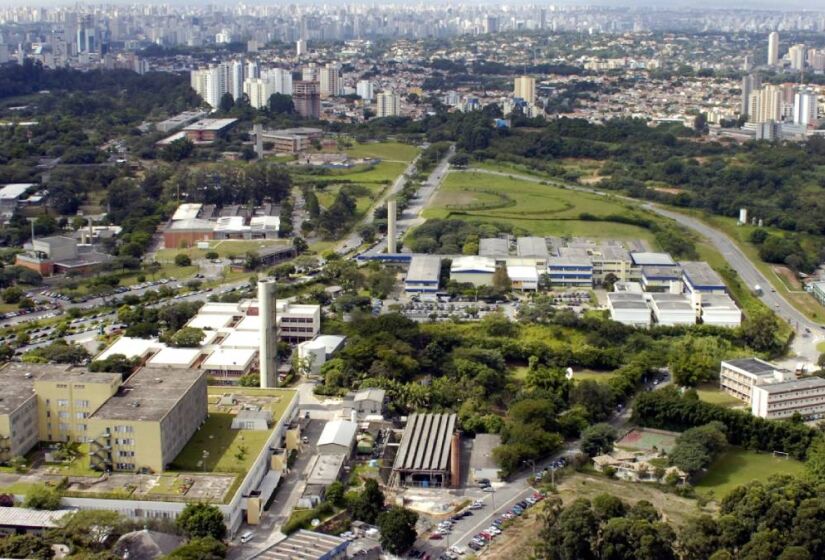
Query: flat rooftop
pixel 806 383
pixel 210 124
pixel 74 374
pixel 17 384
pixel 646 258
pixel 424 268
pixel 701 275
pixel 532 247
pixel 662 272
pixel 493 247
pixel 149 394
pixel 754 366
pixel 170 356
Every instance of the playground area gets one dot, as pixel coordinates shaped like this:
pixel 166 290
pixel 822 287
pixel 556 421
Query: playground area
pixel 648 439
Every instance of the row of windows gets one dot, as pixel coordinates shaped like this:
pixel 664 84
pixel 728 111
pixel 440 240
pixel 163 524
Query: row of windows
pixel 124 429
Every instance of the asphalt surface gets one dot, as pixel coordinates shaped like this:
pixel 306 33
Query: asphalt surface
pixel 411 215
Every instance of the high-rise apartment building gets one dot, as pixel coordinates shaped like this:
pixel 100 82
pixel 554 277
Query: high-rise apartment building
pixel 235 81
pixel 490 24
pixel 212 83
pixel 309 73
pixel 773 49
pixel 750 83
pixel 388 104
pixel 300 47
pixel 805 107
pixel 272 81
pixel 816 59
pixel 331 85
pixel 364 89
pixel 797 55
pixel 765 105
pixel 306 96
pixel 525 88
pixel 253 69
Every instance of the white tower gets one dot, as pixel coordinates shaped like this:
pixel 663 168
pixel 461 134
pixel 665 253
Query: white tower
pixel 773 49
pixel 391 233
pixel 269 335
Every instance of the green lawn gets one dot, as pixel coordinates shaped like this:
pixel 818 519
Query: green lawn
pixel 737 466
pixel 393 151
pixel 589 374
pixel 229 451
pixel 711 394
pixel 536 208
pixel 225 248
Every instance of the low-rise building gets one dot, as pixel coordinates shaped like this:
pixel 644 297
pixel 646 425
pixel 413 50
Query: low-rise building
pixel 718 309
pixel 533 248
pixel 60 255
pixel 523 277
pixel 738 377
pixel 474 270
pixel 629 308
pixel 783 400
pixel 496 248
pixel 292 140
pixel 207 131
pixel 570 271
pixel 429 454
pixel 23 521
pixel 661 278
pixel 423 274
pixel 307 545
pixel 698 276
pixel 672 309
pixel 337 438
pixel 180 120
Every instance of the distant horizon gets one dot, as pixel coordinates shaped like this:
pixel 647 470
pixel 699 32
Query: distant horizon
pixel 761 5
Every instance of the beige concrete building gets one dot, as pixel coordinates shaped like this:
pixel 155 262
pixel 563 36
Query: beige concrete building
pixel 525 88
pixel 148 421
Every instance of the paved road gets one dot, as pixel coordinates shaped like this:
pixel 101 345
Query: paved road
pixel 352 241
pixel 411 215
pixel 805 343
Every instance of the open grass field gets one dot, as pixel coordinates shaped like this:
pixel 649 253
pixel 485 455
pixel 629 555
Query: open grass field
pixel 389 151
pixel 589 374
pixel 738 466
pixel 362 203
pixel 540 209
pixel 711 394
pixel 224 247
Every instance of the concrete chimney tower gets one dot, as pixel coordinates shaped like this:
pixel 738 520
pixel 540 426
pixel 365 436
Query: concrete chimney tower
pixel 392 206
pixel 257 130
pixel 269 334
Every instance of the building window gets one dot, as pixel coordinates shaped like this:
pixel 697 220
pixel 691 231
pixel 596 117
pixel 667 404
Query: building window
pixel 82 415
pixel 124 429
pixel 63 414
pixel 82 404
pixel 62 402
pixel 62 386
pixel 124 441
pixel 126 453
pixel 63 427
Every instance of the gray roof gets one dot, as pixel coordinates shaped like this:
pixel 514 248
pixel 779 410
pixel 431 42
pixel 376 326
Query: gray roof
pixel 147 545
pixel 31 518
pixel 532 247
pixel 150 394
pixel 370 395
pixel 666 272
pixel 652 259
pixel 338 432
pixel 701 275
pixel 424 268
pixel 17 384
pixel 806 383
pixel 303 545
pixel 326 469
pixel 754 366
pixel 425 444
pixel 493 247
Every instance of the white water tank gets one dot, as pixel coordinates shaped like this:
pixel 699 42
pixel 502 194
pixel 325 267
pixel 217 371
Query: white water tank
pixel 316 352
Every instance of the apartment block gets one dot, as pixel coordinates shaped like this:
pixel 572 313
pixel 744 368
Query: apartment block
pixel 148 421
pixel 67 398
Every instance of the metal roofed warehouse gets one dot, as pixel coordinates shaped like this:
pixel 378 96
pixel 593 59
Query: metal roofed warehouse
pixel 423 274
pixel 429 452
